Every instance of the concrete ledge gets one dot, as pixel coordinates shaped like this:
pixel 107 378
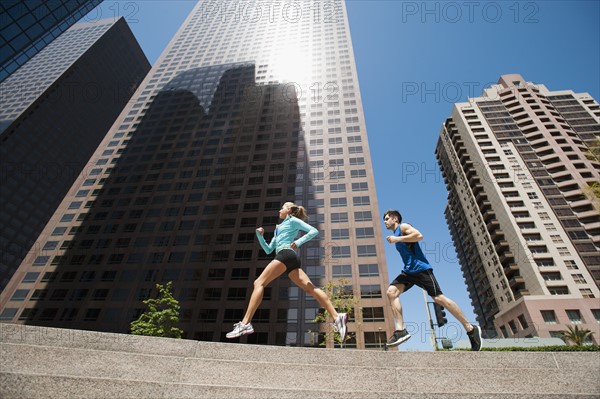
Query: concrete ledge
pixel 47 362
pixel 20 386
pixel 67 338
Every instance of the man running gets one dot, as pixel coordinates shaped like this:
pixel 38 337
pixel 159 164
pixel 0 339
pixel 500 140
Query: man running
pixel 417 271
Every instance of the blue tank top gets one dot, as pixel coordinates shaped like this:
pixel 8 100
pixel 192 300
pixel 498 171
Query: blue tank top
pixel 414 259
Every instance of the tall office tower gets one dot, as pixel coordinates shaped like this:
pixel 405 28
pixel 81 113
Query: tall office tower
pixel 56 109
pixel 252 104
pixel 520 213
pixel 28 26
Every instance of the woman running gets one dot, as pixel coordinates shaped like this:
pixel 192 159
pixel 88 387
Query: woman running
pixel 286 260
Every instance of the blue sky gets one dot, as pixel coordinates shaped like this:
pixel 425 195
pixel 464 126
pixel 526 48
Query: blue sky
pixel 415 59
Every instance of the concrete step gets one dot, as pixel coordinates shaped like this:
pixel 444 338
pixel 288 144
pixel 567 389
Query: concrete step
pixel 50 362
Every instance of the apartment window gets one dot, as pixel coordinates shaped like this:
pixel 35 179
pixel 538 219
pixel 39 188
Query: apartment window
pixel 596 313
pixel 556 239
pixel 340 271
pixel 364 216
pixel 571 265
pixel 364 186
pixel 563 251
pixel 339 217
pixel 26 314
pixel 513 327
pixel 574 316
pixel 586 293
pixel 212 294
pixel 552 276
pixel 365 232
pixel 538 249
pixel 339 234
pixel 549 262
pixel 19 295
pixel 549 316
pixel 340 252
pixel 240 274
pixel 558 290
pixel 550 226
pixel 339 202
pixel 532 237
pixel 366 250
pixel 337 188
pixel 8 313
pixel 359 201
pixel 579 279
pixel 30 277
pixel 523 322
pixel 373 314
pixel 236 294
pixel 91 314
pixel 370 291
pixel 368 270
pixel 216 274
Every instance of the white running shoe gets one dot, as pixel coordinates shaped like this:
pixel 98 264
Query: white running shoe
pixel 340 324
pixel 240 329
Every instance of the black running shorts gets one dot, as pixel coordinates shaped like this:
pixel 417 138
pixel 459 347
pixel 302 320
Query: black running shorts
pixel 289 258
pixel 424 279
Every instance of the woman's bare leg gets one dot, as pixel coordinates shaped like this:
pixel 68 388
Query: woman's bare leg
pixel 273 270
pixel 302 280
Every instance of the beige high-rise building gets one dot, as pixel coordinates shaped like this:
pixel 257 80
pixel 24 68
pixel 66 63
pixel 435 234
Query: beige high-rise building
pixel 252 104
pixel 521 212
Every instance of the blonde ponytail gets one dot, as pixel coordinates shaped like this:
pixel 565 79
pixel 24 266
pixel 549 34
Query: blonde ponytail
pixel 298 211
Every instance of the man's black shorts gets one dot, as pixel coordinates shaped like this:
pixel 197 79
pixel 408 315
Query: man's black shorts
pixel 289 258
pixel 424 279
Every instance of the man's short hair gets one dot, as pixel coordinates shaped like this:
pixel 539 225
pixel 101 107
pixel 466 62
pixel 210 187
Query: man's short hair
pixel 392 213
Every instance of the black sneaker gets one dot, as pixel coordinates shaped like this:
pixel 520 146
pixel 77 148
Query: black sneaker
pixel 398 337
pixel 475 338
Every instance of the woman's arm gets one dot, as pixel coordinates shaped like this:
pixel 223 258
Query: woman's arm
pixel 268 248
pixel 311 232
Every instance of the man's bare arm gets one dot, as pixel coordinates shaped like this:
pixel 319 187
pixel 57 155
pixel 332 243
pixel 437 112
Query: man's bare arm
pixel 409 234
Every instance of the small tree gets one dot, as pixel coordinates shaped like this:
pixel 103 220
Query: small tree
pixel 576 335
pixel 161 317
pixel 343 301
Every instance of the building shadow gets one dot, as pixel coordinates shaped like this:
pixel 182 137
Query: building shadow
pixel 213 157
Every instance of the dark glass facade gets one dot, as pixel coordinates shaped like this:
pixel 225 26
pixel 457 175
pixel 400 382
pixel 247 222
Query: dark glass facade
pixel 28 26
pixel 56 111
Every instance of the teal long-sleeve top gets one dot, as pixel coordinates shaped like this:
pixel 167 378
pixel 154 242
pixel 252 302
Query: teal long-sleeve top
pixel 285 234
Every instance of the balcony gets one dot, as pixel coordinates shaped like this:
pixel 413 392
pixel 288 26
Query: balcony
pixel 511 270
pixel 481 197
pixel 501 246
pixel 520 293
pixel 587 214
pixel 506 257
pixel 497 235
pixel 516 280
pixel 485 206
pixel 492 225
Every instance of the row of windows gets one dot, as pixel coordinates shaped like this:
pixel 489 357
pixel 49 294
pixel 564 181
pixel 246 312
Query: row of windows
pixel 186 294
pixel 369 315
pixel 187 275
pixel 336 251
pixel 573 315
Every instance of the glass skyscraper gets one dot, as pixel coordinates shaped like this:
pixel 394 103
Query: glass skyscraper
pixel 55 111
pixel 28 26
pixel 251 104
